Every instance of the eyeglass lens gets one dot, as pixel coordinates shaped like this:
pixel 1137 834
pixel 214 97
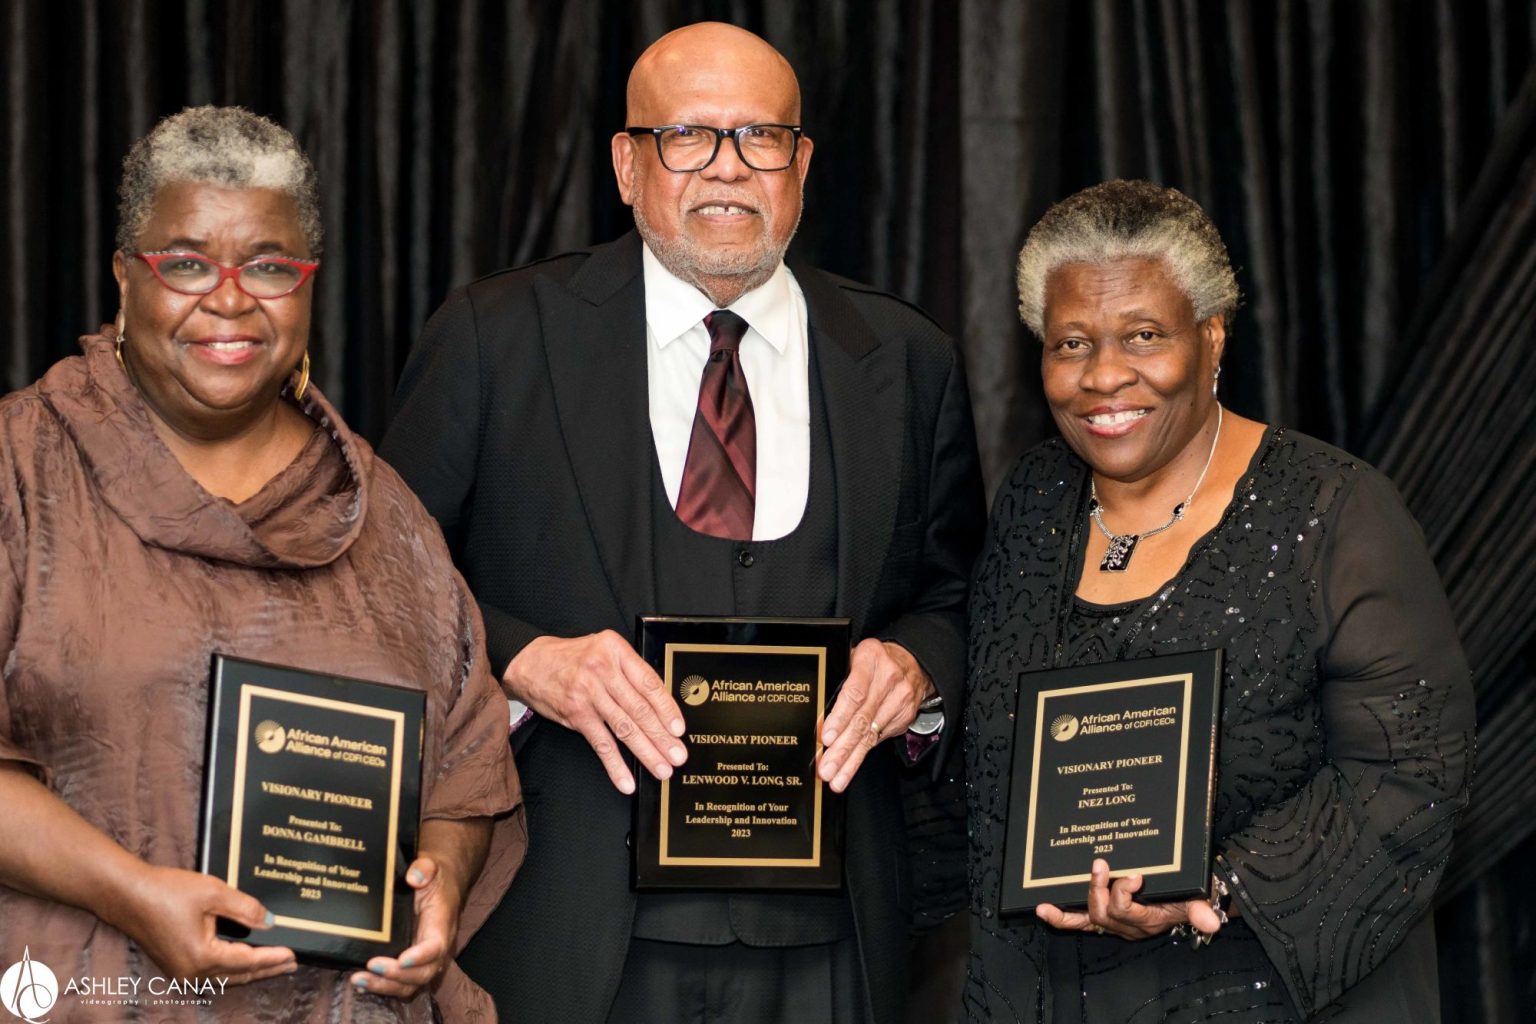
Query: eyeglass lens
pixel 761 147
pixel 262 279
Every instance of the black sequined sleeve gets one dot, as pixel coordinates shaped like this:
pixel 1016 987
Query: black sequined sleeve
pixel 1333 877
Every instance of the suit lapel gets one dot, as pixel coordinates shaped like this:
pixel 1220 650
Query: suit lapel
pixel 594 335
pixel 864 383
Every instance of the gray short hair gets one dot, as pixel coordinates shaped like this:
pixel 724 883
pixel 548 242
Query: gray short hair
pixel 225 146
pixel 1126 219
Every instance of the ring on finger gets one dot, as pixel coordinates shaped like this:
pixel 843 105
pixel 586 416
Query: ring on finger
pixel 1098 929
pixel 875 727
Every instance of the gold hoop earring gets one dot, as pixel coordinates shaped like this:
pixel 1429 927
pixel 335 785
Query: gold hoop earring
pixel 302 384
pixel 118 347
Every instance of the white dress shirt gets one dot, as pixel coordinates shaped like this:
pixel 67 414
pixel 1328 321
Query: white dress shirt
pixel 775 354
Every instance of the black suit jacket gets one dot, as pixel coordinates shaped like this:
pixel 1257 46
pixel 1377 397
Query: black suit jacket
pixel 522 422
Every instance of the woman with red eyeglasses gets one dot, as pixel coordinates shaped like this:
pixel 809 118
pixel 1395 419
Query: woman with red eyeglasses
pixel 180 489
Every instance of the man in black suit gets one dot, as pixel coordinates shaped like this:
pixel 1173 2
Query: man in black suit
pixel 679 422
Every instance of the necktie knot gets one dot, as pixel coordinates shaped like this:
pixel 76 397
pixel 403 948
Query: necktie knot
pixel 726 330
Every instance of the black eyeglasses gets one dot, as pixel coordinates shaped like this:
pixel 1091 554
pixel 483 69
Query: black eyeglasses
pixel 693 147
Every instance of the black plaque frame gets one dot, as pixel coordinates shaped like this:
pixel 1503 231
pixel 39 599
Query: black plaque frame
pixel 660 862
pixel 339 926
pixel 1071 802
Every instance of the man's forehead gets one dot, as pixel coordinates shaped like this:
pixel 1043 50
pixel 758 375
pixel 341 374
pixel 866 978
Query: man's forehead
pixel 713 74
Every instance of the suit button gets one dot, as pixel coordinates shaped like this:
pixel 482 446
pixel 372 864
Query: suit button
pixel 744 558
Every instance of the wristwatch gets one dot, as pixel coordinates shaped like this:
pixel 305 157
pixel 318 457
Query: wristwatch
pixel 930 716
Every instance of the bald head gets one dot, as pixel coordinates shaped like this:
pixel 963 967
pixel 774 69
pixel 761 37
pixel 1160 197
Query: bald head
pixel 723 226
pixel 688 67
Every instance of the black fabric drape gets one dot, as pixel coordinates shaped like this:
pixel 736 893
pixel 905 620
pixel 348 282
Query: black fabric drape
pixel 1368 162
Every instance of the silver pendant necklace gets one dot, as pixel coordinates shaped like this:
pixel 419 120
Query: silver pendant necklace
pixel 1122 545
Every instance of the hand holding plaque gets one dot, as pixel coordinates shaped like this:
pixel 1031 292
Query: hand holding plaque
pixel 172 915
pixel 880 699
pixel 1113 909
pixel 439 877
pixel 598 686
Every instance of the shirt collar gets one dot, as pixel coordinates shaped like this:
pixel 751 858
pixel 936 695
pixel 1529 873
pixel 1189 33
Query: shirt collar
pixel 673 307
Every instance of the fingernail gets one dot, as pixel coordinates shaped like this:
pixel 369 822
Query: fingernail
pixel 291 968
pixel 662 771
pixel 407 962
pixel 417 877
pixel 361 984
pixel 269 919
pixel 828 735
pixel 627 786
pixel 678 755
pixel 676 727
pixel 376 968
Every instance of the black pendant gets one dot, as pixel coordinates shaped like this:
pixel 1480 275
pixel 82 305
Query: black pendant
pixel 1118 557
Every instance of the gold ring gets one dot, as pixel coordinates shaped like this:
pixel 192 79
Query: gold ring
pixel 1098 929
pixel 874 727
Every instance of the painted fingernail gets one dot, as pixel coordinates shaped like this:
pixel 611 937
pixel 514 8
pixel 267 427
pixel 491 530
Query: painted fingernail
pixel 376 968
pixel 361 983
pixel 406 961
pixel 417 877
pixel 269 919
pixel 290 968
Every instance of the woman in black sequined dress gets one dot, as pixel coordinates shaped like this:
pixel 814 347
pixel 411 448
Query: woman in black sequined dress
pixel 1159 523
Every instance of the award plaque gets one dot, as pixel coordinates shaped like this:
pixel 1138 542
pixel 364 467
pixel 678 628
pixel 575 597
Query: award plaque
pixel 1117 761
pixel 311 804
pixel 747 810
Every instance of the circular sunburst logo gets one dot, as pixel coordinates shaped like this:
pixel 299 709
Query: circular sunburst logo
pixel 270 736
pixel 1064 727
pixel 694 690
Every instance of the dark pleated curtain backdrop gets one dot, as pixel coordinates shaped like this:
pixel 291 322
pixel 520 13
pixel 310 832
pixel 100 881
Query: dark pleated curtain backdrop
pixel 1371 163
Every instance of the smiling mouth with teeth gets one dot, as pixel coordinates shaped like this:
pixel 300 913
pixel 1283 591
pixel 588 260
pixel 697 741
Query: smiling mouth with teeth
pixel 1114 419
pixel 719 209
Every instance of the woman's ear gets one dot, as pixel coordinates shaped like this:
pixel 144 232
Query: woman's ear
pixel 1213 331
pixel 120 271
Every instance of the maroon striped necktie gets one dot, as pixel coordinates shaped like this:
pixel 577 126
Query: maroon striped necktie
pixel 719 488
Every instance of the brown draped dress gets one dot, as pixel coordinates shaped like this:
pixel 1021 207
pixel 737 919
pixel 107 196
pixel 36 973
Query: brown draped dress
pixel 120 576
